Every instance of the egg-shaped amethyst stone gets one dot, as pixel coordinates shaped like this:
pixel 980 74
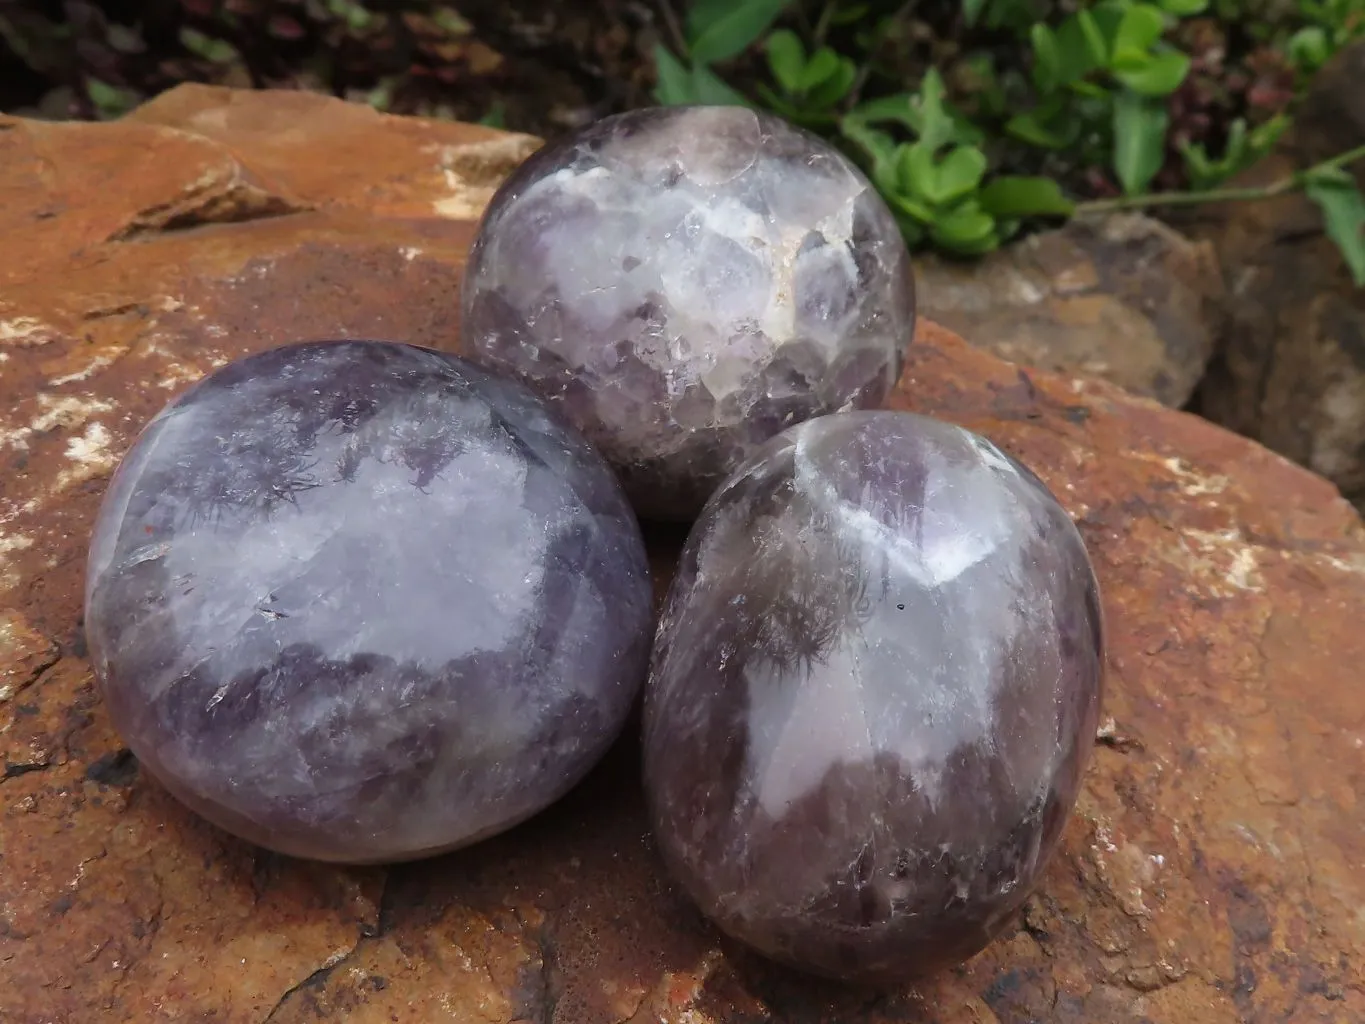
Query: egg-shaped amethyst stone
pixel 875 688
pixel 685 283
pixel 360 601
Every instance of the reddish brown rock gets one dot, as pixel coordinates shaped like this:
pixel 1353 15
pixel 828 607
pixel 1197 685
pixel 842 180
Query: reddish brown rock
pixel 1211 873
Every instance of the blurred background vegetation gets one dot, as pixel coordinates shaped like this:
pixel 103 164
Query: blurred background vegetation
pixel 976 118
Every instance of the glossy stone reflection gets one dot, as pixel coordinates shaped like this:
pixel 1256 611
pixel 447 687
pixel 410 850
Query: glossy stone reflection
pixel 875 688
pixel 360 601
pixel 686 283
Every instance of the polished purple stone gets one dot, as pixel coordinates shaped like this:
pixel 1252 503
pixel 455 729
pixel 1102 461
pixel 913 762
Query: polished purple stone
pixel 687 282
pixel 360 601
pixel 875 688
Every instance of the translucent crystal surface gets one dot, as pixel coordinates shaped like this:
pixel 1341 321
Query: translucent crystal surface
pixel 687 282
pixel 361 601
pixel 875 688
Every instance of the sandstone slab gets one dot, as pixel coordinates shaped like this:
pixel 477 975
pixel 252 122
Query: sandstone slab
pixel 1210 874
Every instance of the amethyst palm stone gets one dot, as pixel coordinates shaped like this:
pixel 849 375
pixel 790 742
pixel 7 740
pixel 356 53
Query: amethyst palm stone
pixel 874 691
pixel 687 282
pixel 361 601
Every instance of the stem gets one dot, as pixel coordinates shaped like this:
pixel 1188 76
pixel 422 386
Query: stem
pixel 1220 195
pixel 855 92
pixel 822 24
pixel 674 27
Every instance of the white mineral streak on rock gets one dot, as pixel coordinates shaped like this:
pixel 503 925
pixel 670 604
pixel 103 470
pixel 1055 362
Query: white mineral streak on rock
pixel 66 411
pixel 91 454
pixel 26 331
pixel 9 544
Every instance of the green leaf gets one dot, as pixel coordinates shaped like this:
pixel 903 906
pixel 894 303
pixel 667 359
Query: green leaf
pixel 936 127
pixel 215 50
pixel 911 208
pixel 1075 52
pixel 1235 150
pixel 496 117
pixel 1008 197
pixel 1030 128
pixel 966 229
pixel 1108 16
pixel 1201 171
pixel 719 30
pixel 1265 135
pixel 1184 8
pixel 1309 48
pixel 988 242
pixel 1139 140
pixel 1089 90
pixel 833 88
pixel 916 173
pixel 823 63
pixel 907 110
pixel 959 173
pixel 897 108
pixel 1047 61
pixel 786 59
pixel 878 145
pixel 1096 44
pixel 709 88
pixel 971 10
pixel 1140 28
pixel 674 87
pixel 1329 176
pixel 1160 74
pixel 848 15
pixel 679 85
pixel 110 100
pixel 911 230
pixel 1343 215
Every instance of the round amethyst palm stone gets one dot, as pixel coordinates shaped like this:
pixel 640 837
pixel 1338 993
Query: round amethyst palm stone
pixel 360 601
pixel 686 282
pixel 875 688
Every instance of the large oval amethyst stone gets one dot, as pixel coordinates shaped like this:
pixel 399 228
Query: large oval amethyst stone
pixel 360 601
pixel 875 688
pixel 686 282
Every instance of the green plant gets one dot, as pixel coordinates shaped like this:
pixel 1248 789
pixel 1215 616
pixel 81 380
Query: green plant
pixel 402 53
pixel 1091 103
pixel 1329 26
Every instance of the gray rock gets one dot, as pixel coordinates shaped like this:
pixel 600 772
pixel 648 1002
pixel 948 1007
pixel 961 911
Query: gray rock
pixel 359 601
pixel 875 689
pixel 687 282
pixel 1122 297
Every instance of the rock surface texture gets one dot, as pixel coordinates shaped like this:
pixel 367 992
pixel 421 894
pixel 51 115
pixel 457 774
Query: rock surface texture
pixel 1210 874
pixel 364 602
pixel 1291 370
pixel 1122 297
pixel 686 282
pixel 875 687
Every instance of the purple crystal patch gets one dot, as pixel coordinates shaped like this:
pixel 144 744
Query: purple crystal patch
pixel 875 689
pixel 685 283
pixel 361 601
